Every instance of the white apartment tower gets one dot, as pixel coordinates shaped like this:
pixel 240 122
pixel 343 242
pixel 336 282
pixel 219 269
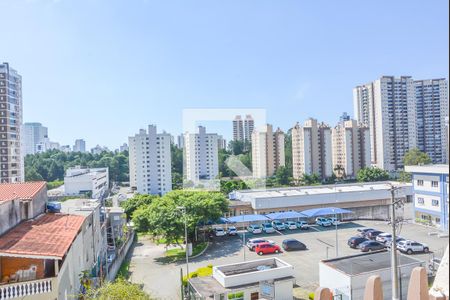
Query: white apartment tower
pixel 431 113
pixel 267 151
pixel 249 126
pixel 34 134
pixel 150 162
pixel 11 148
pixel 201 155
pixel 80 146
pixel 311 150
pixel 350 147
pixel 388 107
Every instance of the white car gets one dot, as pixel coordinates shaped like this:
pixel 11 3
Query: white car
pixel 255 229
pixel 302 225
pixel 268 228
pixel 384 237
pixel 411 247
pixel 323 222
pixel 290 225
pixel 334 221
pixel 278 225
pixel 218 231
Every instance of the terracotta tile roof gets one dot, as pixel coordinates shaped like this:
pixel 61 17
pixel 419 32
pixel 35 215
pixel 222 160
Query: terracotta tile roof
pixel 23 190
pixel 49 235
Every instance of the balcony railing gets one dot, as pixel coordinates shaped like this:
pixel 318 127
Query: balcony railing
pixel 27 288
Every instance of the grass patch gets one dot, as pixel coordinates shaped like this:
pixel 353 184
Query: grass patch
pixel 179 254
pixel 201 272
pixel 124 271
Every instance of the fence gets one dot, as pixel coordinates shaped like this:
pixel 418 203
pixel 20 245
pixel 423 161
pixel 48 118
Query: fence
pixel 113 269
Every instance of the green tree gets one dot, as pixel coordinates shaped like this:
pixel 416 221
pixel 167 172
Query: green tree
pixel 236 147
pixel 404 177
pixel 118 290
pixel 282 176
pixel 227 186
pixel 32 175
pixel 312 179
pixel 372 174
pixel 132 204
pixel 416 157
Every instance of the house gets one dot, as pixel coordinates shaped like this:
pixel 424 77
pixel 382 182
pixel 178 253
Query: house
pixel 21 201
pixel 430 187
pixel 269 278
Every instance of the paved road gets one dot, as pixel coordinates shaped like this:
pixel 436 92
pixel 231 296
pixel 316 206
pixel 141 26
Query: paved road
pixel 162 280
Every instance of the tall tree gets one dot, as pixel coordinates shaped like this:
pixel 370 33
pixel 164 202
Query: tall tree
pixel 372 174
pixel 416 157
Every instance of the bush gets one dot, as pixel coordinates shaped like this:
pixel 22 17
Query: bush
pixel 311 296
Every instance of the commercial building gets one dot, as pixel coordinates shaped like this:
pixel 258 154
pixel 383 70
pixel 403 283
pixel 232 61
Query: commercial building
pixel 365 200
pixel 80 146
pixel 243 128
pixel 150 162
pixel 347 276
pixel 201 155
pixel 269 278
pixel 34 134
pixel 47 145
pixel 311 150
pixel 267 151
pixel 11 152
pixel 350 148
pixel 430 186
pixel 431 113
pixel 78 181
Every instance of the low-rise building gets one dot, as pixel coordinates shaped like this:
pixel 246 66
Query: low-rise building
pixel 430 184
pixel 347 276
pixel 366 200
pixel 269 278
pixel 20 202
pixel 79 181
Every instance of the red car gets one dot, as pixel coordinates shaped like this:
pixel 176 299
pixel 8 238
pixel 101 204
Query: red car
pixel 267 248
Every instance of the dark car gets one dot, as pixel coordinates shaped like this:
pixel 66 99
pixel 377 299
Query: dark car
pixel 371 246
pixel 372 235
pixel 364 231
pixel 354 242
pixel 292 245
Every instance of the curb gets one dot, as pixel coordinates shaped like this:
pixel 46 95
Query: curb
pixel 201 253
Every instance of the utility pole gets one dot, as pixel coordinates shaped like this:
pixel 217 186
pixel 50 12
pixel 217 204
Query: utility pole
pixel 394 262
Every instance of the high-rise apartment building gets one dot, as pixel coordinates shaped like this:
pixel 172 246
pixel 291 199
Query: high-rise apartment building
pixel 80 146
pixel 311 149
pixel 201 155
pixel 243 128
pixel 221 143
pixel 11 149
pixel 388 107
pixel 431 112
pixel 267 151
pixel 33 134
pixel 350 148
pixel 180 141
pixel 150 162
pixel 344 117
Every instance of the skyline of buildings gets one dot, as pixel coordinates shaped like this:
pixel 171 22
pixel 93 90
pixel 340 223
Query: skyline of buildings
pixel 34 134
pixel 243 128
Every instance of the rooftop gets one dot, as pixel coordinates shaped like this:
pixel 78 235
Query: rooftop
pixel 48 236
pixel 83 207
pixel 367 262
pixel 316 190
pixel 433 169
pixel 24 191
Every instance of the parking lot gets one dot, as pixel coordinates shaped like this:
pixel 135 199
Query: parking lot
pixel 319 240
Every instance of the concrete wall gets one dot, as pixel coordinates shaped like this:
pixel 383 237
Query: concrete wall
pixel 113 269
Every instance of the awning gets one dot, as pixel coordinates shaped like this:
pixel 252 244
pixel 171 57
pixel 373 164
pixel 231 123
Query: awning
pixel 285 215
pixel 247 218
pixel 325 211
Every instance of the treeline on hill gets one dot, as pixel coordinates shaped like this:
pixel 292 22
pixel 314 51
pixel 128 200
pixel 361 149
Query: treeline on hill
pixel 50 166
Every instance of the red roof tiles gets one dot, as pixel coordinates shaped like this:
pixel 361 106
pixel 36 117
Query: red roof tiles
pixel 23 190
pixel 50 235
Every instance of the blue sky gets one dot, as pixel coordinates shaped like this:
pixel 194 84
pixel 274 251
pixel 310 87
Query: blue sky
pixel 100 70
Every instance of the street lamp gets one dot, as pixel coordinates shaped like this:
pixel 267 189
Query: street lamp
pixel 394 262
pixel 183 211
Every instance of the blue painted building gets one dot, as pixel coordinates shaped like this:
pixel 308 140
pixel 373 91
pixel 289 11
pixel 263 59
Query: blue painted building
pixel 430 188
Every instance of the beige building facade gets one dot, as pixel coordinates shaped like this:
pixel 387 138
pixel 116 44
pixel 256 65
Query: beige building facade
pixel 267 151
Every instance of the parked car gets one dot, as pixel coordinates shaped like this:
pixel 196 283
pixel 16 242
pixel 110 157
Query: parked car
pixel 218 231
pixel 293 245
pixel 290 225
pixel 267 248
pixel 302 225
pixel 355 241
pixel 323 222
pixel 232 231
pixel 371 246
pixel 363 231
pixel 389 242
pixel 268 228
pixel 372 235
pixel 334 221
pixel 251 243
pixel 411 247
pixel 278 225
pixel 384 237
pixel 255 229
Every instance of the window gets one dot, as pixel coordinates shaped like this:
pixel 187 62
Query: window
pixel 434 184
pixel 420 201
pixel 420 182
pixel 435 202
